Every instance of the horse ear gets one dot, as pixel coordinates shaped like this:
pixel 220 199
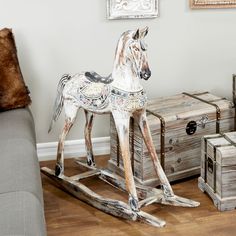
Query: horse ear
pixel 144 32
pixel 136 35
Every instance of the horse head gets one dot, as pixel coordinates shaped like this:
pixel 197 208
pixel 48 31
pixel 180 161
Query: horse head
pixel 138 50
pixel 133 49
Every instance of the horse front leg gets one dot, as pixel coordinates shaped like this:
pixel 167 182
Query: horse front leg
pixel 122 120
pixel 169 197
pixel 141 119
pixel 87 135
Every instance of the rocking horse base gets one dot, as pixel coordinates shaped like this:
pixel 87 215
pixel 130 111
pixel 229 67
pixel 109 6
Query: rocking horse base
pixel 110 206
pixel 147 195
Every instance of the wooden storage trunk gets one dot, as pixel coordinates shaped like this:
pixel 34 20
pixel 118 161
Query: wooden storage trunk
pixel 218 169
pixel 177 124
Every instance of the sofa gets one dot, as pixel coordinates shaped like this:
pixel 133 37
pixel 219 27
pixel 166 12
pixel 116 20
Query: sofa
pixel 21 196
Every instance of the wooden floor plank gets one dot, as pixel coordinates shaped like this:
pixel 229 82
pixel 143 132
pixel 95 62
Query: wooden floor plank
pixel 67 216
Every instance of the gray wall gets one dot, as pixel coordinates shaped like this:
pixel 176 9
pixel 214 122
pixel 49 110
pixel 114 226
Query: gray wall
pixel 188 50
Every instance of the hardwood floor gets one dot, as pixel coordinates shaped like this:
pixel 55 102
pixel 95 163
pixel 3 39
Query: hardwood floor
pixel 67 216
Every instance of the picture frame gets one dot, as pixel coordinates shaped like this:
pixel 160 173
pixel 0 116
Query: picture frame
pixel 201 4
pixel 128 9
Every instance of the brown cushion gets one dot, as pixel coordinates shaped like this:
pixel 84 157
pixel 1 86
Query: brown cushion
pixel 13 92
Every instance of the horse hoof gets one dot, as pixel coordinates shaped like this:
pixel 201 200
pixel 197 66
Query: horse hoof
pixel 58 170
pixel 90 163
pixel 133 203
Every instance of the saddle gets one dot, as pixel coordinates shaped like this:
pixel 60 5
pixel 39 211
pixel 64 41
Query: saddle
pixel 96 78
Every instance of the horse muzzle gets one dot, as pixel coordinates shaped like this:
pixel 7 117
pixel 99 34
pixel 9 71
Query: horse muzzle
pixel 145 74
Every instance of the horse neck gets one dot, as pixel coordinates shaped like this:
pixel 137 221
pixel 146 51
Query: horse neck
pixel 126 78
pixel 125 74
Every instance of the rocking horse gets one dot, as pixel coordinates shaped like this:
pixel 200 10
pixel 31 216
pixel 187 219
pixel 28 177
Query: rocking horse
pixel 122 95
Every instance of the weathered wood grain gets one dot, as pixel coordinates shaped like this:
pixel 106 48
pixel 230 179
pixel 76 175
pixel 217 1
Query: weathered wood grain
pixel 148 194
pixel 218 169
pixel 182 151
pixel 113 207
pixel 222 204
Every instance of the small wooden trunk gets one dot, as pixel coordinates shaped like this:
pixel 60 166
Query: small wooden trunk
pixel 218 169
pixel 177 124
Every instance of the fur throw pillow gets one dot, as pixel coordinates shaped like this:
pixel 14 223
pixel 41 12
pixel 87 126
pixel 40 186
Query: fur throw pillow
pixel 13 92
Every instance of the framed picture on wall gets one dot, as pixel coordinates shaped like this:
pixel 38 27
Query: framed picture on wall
pixel 121 9
pixel 212 4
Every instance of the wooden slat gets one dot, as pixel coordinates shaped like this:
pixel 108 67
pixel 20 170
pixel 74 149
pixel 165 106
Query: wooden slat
pixel 84 175
pixel 113 207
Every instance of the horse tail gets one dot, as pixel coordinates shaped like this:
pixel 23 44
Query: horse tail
pixel 59 102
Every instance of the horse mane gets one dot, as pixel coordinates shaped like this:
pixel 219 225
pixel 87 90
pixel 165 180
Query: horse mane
pixel 120 49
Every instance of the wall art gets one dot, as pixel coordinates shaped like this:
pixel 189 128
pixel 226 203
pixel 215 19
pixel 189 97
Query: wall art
pixel 121 9
pixel 212 4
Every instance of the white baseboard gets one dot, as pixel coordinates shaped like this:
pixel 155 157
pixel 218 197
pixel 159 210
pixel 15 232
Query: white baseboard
pixel 73 148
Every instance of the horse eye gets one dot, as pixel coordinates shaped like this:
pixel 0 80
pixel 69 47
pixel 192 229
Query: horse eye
pixel 143 47
pixel 136 49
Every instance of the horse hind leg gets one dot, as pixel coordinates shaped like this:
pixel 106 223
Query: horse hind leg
pixel 70 112
pixel 87 135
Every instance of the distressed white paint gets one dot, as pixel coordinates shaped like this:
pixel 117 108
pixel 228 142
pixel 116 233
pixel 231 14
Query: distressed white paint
pixel 72 93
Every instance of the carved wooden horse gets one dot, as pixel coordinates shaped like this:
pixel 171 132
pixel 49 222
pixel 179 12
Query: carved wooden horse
pixel 122 95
